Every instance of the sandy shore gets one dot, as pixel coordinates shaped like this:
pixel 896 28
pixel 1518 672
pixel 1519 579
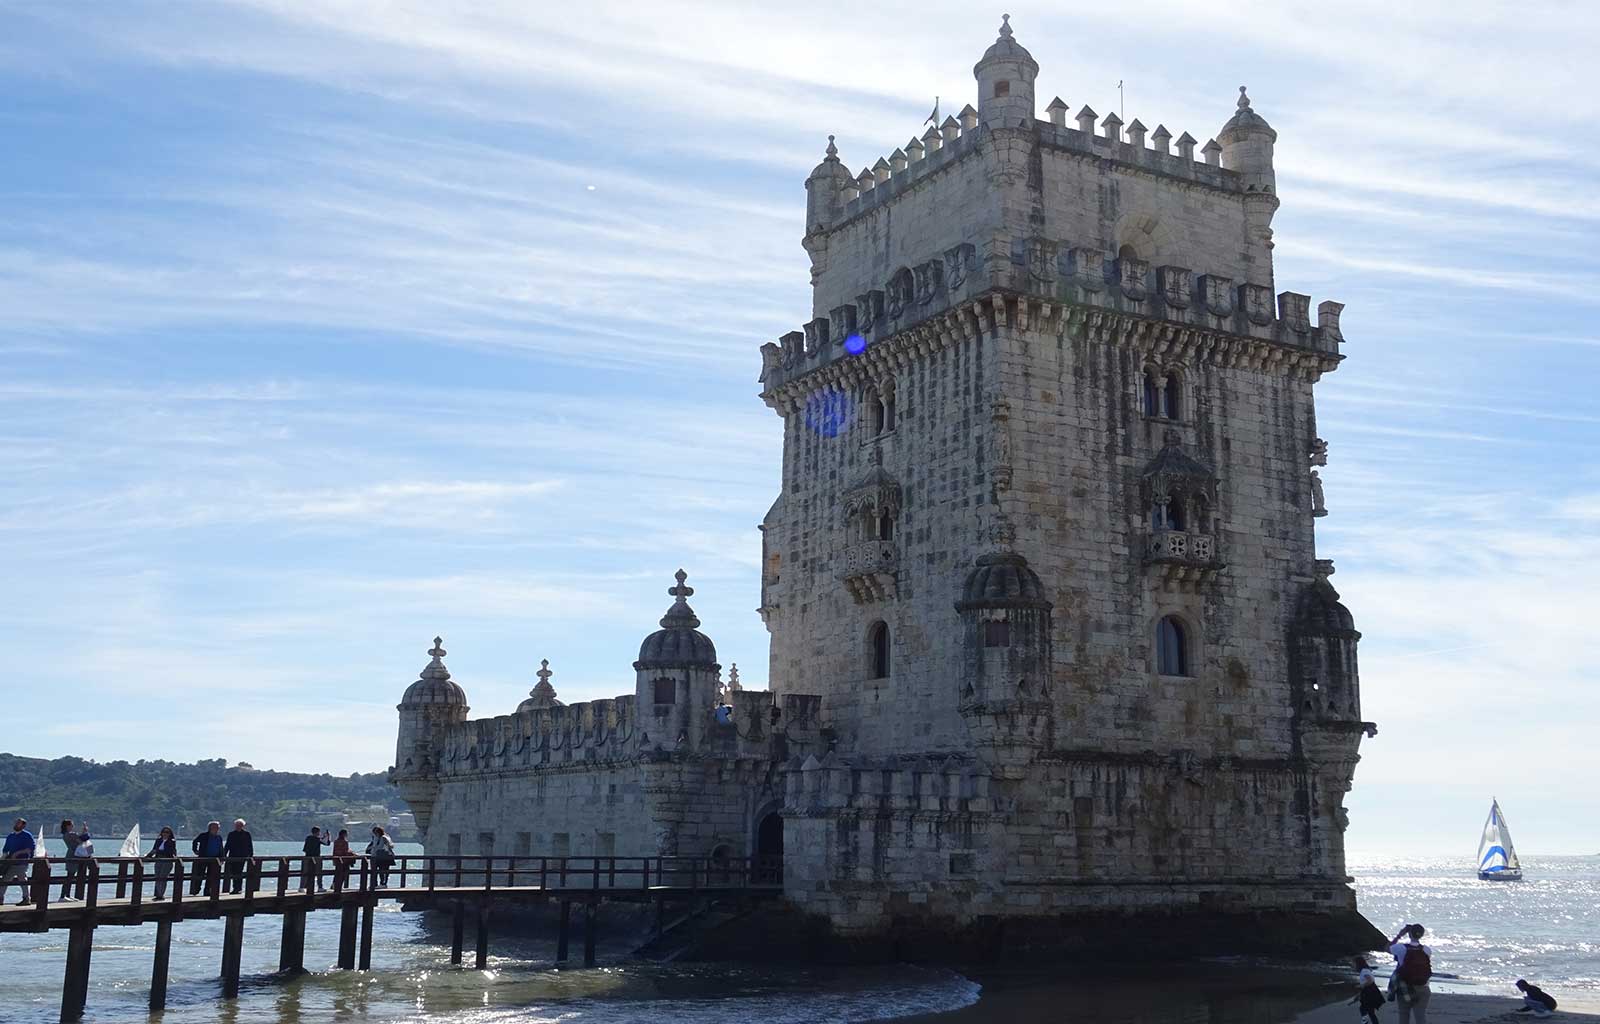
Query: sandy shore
pixel 1464 1008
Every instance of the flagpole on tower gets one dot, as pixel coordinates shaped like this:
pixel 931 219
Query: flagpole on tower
pixel 1122 103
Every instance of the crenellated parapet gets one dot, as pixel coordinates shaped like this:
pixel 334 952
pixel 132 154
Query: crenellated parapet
pixel 598 730
pixel 1047 284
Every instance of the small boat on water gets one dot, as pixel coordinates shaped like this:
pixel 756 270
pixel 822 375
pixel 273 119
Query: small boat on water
pixel 1497 858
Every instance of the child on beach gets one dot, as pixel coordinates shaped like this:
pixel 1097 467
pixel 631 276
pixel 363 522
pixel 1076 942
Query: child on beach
pixel 1370 997
pixel 1536 999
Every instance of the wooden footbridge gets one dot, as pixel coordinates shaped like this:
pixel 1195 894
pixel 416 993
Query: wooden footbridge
pixel 121 891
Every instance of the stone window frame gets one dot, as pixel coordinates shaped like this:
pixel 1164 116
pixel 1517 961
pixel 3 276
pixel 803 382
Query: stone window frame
pixel 656 691
pixel 879 650
pixel 1163 387
pixel 996 634
pixel 882 414
pixel 1189 650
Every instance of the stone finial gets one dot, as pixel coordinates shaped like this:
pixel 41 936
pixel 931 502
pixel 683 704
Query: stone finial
pixel 881 170
pixel 1005 32
pixel 1161 137
pixel 1244 99
pixel 543 695
pixel 914 150
pixel 897 161
pixel 1057 111
pixel 832 152
pixel 1186 143
pixel 969 118
pixel 1113 127
pixel 931 139
pixel 437 650
pixel 733 677
pixel 682 592
pixel 1086 118
pixel 951 128
pixel 1213 153
pixel 1136 134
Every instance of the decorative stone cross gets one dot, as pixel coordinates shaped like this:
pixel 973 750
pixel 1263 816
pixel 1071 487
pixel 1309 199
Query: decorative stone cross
pixel 438 648
pixel 681 592
pixel 544 672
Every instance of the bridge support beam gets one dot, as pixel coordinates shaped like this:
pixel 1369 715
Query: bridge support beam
pixel 591 910
pixel 292 950
pixel 232 954
pixel 366 935
pixel 158 966
pixel 482 960
pixel 458 927
pixel 75 986
pixel 347 937
pixel 561 933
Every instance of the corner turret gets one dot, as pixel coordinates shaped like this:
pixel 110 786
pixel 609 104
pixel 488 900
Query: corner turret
pixel 1246 142
pixel 825 190
pixel 677 677
pixel 1005 82
pixel 430 706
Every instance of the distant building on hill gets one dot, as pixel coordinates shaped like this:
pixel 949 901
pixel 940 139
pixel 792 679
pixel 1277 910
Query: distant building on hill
pixel 1051 645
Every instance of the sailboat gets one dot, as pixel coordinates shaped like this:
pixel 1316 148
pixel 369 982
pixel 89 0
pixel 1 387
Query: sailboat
pixel 1497 858
pixel 130 845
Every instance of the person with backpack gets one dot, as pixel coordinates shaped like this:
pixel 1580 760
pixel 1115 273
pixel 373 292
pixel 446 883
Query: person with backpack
pixel 1535 999
pixel 1413 966
pixel 1370 997
pixel 381 850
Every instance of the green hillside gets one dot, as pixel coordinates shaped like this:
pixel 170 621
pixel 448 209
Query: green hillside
pixel 113 795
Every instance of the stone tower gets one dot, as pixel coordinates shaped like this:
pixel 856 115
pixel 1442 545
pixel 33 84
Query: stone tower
pixel 1047 515
pixel 429 707
pixel 677 677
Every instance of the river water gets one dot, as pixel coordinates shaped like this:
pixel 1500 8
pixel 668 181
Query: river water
pixel 1546 928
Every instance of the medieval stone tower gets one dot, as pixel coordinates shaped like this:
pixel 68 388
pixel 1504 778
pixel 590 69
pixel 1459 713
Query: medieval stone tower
pixel 1051 646
pixel 1046 521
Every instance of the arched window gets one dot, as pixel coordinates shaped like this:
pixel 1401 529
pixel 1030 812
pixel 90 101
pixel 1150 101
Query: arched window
pixel 1167 515
pixel 1171 398
pixel 1152 394
pixel 888 411
pixel 885 526
pixel 666 691
pixel 997 633
pixel 1172 647
pixel 878 650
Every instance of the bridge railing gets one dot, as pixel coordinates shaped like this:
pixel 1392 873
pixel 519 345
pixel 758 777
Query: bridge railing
pixel 203 881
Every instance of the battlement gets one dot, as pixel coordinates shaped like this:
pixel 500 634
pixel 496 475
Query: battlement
pixel 935 785
pixel 959 293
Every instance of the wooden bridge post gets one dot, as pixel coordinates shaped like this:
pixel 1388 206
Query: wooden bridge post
pixel 347 937
pixel 158 966
pixel 366 934
pixel 232 951
pixel 482 961
pixel 561 934
pixel 75 986
pixel 458 925
pixel 292 950
pixel 591 910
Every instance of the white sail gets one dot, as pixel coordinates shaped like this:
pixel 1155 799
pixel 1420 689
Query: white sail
pixel 130 845
pixel 1495 852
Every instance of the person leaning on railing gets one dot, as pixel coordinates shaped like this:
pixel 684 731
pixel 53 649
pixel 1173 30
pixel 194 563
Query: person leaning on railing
pixel 207 844
pixel 381 850
pixel 163 854
pixel 341 860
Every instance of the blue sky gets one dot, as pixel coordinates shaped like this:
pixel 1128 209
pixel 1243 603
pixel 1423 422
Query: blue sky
pixel 330 327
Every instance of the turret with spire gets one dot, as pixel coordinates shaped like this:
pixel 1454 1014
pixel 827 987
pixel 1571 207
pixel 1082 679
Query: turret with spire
pixel 429 707
pixel 1005 82
pixel 677 676
pixel 1247 140
pixel 543 695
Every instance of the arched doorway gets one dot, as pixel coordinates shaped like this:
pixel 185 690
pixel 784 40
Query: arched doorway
pixel 769 849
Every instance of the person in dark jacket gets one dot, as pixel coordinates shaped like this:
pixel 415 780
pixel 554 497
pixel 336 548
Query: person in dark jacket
pixel 77 868
pixel 311 863
pixel 16 859
pixel 1535 999
pixel 238 848
pixel 163 853
pixel 207 844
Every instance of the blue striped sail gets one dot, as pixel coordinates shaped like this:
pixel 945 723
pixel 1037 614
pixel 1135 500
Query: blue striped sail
pixel 1496 856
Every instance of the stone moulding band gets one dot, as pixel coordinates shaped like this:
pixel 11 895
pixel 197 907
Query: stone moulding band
pixel 988 313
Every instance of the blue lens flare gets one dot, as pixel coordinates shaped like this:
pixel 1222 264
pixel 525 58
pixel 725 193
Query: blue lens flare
pixel 855 344
pixel 828 413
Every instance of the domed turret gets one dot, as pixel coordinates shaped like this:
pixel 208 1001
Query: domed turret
pixel 543 695
pixel 434 686
pixel 1006 629
pixel 678 643
pixel 1322 658
pixel 1005 82
pixel 1246 142
pixel 1002 580
pixel 825 190
pixel 677 678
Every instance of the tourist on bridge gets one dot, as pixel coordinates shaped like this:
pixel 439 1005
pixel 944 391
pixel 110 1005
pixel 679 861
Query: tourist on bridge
pixel 15 860
pixel 381 850
pixel 311 867
pixel 163 854
pixel 341 860
pixel 77 861
pixel 238 848
pixel 207 844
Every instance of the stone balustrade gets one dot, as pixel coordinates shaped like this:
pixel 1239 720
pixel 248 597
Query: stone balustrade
pixel 1182 546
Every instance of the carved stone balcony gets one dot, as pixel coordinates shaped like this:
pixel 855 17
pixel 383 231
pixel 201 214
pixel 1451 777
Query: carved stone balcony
pixel 868 570
pixel 1182 558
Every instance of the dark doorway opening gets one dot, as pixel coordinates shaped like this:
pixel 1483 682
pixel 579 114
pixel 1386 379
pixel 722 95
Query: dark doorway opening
pixel 769 850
